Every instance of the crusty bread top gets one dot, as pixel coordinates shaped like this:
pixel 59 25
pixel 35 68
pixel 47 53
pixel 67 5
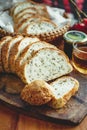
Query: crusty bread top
pixel 37 93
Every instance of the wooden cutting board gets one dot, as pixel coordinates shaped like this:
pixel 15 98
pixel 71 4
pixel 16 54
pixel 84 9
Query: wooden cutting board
pixel 74 112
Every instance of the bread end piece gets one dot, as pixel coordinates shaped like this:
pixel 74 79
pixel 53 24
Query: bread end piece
pixel 60 102
pixel 37 93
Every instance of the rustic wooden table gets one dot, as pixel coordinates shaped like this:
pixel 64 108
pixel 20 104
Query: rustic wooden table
pixel 13 120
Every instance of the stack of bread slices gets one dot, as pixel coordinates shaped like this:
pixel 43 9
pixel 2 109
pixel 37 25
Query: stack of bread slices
pixel 32 59
pixel 33 19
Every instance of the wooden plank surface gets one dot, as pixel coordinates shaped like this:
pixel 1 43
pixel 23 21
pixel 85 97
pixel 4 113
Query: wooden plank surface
pixel 74 112
pixel 12 120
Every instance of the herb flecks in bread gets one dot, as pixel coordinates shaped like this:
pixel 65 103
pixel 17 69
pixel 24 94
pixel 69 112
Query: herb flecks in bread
pixel 46 64
pixel 28 52
pixel 64 88
pixel 55 94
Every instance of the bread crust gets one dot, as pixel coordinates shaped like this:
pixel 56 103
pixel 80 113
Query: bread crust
pixel 33 18
pixel 13 11
pixel 57 103
pixel 5 52
pixel 22 74
pixel 23 54
pixel 24 11
pixel 48 36
pixel 2 42
pixel 16 51
pixel 37 93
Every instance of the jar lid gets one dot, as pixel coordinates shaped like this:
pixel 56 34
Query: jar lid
pixel 75 36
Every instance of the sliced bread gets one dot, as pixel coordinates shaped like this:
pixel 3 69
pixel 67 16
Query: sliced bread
pixel 55 94
pixel 27 10
pixel 63 89
pixel 21 6
pixel 17 49
pixel 24 17
pixel 3 41
pixel 21 27
pixel 46 64
pixel 34 18
pixel 40 27
pixel 29 51
pixel 6 49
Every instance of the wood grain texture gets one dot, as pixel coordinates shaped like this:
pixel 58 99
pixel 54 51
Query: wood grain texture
pixel 12 120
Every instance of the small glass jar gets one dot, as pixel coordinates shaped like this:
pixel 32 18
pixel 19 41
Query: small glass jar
pixel 79 57
pixel 71 37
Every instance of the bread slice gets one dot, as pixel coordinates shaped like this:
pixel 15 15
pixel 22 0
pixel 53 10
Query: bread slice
pixel 35 18
pixel 40 27
pixel 22 18
pixel 6 49
pixel 46 64
pixel 63 89
pixel 29 51
pixel 27 10
pixel 24 5
pixel 17 49
pixel 3 41
pixel 37 93
pixel 11 10
pixel 21 6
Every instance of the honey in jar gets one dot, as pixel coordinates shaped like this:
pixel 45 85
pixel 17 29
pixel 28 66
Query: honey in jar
pixel 71 37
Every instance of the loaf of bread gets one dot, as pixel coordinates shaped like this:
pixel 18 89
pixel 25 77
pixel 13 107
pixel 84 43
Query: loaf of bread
pixel 29 10
pixel 46 64
pixel 63 89
pixel 25 22
pixel 28 52
pixel 55 94
pixel 37 93
pixel 18 8
pixel 37 62
pixel 2 42
pixel 32 59
pixel 17 49
pixel 6 49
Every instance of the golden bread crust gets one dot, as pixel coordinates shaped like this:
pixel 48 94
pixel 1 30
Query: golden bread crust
pixel 37 93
